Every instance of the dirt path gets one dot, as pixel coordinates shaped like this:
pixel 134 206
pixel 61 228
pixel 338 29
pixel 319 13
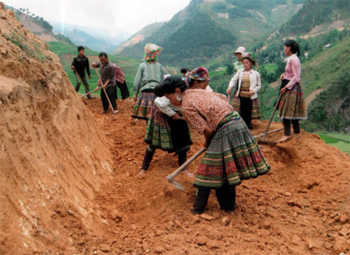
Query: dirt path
pixel 312 96
pixel 300 207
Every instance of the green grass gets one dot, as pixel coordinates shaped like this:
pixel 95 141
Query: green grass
pixel 332 139
pixel 270 68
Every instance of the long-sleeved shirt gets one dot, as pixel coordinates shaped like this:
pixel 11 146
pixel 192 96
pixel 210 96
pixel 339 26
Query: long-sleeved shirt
pixel 293 71
pixel 163 104
pixel 80 64
pixel 119 75
pixel 107 73
pixel 148 76
pixel 203 109
pixel 255 82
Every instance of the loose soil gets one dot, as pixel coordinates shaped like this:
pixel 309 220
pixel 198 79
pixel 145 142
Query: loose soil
pixel 69 186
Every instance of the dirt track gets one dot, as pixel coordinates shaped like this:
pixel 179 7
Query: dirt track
pixel 68 184
pixel 300 207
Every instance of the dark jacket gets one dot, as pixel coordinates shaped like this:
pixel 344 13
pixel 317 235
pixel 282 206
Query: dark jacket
pixel 80 63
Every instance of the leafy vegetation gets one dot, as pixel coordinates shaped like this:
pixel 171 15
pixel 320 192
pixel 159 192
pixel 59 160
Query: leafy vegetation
pixel 313 13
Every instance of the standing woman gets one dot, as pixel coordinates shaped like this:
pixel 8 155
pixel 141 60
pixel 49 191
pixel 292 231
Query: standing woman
pixel 149 75
pixel 166 130
pixel 232 153
pixel 245 100
pixel 292 106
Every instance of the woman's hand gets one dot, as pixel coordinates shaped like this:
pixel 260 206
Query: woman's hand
pixel 228 91
pixel 177 116
pixel 135 98
pixel 283 90
pixel 282 76
pixel 208 134
pixel 251 92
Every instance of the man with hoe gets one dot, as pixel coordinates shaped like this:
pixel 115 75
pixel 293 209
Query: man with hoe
pixel 79 64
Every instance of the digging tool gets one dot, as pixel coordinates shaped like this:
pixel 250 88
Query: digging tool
pixel 104 90
pixel 171 176
pixel 262 141
pixel 273 131
pixel 95 90
pixel 80 79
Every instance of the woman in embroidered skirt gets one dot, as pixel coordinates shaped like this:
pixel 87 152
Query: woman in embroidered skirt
pixel 166 130
pixel 292 106
pixel 245 100
pixel 149 75
pixel 232 153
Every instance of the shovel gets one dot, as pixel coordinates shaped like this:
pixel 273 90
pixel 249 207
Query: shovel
pixel 104 90
pixel 262 141
pixel 171 176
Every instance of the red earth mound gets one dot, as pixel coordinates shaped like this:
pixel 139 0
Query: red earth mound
pixel 69 186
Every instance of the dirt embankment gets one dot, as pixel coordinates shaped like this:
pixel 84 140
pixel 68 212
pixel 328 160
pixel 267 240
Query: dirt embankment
pixel 53 159
pixel 68 183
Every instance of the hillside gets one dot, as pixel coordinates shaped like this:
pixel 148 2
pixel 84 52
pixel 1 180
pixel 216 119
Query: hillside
pixel 68 184
pixel 52 160
pixel 236 21
pixel 318 16
pixel 139 36
pixel 66 50
pixel 96 38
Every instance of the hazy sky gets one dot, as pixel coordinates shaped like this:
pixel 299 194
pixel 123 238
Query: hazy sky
pixel 126 15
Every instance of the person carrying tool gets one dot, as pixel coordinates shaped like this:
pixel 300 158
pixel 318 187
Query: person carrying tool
pixel 232 153
pixel 148 76
pixel 166 130
pixel 291 107
pixel 79 65
pixel 107 82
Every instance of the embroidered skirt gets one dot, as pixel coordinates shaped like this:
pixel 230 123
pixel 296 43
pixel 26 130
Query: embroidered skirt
pixel 292 104
pixel 236 104
pixel 167 134
pixel 143 106
pixel 232 156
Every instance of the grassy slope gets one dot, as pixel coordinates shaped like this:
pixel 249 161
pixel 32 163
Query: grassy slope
pixel 67 52
pixel 320 71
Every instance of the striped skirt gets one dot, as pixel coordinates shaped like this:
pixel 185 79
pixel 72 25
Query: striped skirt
pixel 143 106
pixel 167 134
pixel 232 156
pixel 236 104
pixel 292 104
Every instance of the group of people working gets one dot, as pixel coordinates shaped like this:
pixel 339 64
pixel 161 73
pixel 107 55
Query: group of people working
pixel 111 77
pixel 232 154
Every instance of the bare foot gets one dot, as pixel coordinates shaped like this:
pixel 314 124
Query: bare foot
pixel 189 174
pixel 284 139
pixel 142 172
pixel 103 112
pixel 116 112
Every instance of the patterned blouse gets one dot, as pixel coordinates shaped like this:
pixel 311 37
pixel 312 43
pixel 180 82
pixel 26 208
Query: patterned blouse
pixel 201 108
pixel 245 85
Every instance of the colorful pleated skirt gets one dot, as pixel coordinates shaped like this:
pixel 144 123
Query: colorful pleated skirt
pixel 292 104
pixel 236 104
pixel 143 106
pixel 164 133
pixel 232 156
